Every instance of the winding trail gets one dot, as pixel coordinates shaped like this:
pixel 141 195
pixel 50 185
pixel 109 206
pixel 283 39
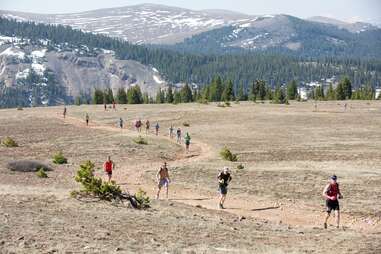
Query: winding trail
pixel 291 213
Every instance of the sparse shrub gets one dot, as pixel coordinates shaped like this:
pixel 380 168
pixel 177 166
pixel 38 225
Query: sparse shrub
pixel 59 158
pixel 186 124
pixel 41 173
pixel 27 166
pixel 96 187
pixel 227 104
pixel 220 105
pixel 9 142
pixel 240 166
pixel 140 140
pixel 92 185
pixel 226 154
pixel 19 108
pixel 203 101
pixel 142 198
pixel 237 102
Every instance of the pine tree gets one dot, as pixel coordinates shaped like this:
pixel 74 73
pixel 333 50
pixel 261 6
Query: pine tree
pixel 98 97
pixel 279 96
pixel 242 95
pixel 216 89
pixel 177 97
pixel 134 95
pixel 228 93
pixel 331 93
pixel 121 96
pixel 146 99
pixel 169 96
pixel 205 92
pixel 160 96
pixel 108 95
pixel 186 94
pixel 262 90
pixel 340 93
pixel 347 86
pixel 292 90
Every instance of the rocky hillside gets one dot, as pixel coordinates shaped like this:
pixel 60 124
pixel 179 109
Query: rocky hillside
pixel 41 72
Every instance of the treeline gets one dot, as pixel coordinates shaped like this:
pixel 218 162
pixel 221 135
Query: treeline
pixel 220 90
pixel 274 68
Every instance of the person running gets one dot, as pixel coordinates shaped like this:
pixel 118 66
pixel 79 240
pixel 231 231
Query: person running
pixel 105 106
pixel 178 133
pixel 332 193
pixel 157 127
pixel 64 112
pixel 148 124
pixel 113 105
pixel 162 177
pixel 224 179
pixel 121 122
pixel 171 132
pixel 108 167
pixel 138 125
pixel 187 139
pixel 345 106
pixel 87 119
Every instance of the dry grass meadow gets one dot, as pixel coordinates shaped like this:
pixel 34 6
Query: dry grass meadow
pixel 274 204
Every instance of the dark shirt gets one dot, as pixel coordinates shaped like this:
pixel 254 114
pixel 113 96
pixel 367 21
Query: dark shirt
pixel 225 177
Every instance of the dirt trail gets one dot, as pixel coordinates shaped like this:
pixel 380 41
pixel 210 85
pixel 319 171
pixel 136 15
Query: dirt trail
pixel 295 215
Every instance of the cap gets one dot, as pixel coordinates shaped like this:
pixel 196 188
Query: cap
pixel 334 177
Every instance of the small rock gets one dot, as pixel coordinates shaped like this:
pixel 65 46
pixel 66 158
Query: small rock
pixel 242 218
pixel 234 228
pixel 86 247
pixel 20 238
pixel 118 249
pixel 198 206
pixel 2 242
pixel 171 204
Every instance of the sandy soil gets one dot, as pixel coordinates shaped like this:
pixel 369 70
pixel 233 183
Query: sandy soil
pixel 288 153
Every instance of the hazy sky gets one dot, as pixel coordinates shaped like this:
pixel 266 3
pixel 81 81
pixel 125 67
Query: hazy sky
pixel 350 10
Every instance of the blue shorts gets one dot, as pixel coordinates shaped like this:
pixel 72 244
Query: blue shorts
pixel 163 182
pixel 223 189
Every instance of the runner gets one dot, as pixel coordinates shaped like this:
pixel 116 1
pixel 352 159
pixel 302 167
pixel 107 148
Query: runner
pixel 87 119
pixel 64 112
pixel 187 139
pixel 345 106
pixel 108 167
pixel 332 193
pixel 157 126
pixel 113 105
pixel 105 106
pixel 162 177
pixel 138 125
pixel 147 126
pixel 224 179
pixel 171 132
pixel 178 132
pixel 121 123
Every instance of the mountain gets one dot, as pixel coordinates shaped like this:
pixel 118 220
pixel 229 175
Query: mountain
pixel 160 24
pixel 288 35
pixel 139 24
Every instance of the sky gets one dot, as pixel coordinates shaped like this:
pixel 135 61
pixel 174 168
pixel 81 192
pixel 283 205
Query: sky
pixel 348 10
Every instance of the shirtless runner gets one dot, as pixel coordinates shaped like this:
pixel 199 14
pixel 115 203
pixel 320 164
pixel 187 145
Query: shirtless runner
pixel 162 177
